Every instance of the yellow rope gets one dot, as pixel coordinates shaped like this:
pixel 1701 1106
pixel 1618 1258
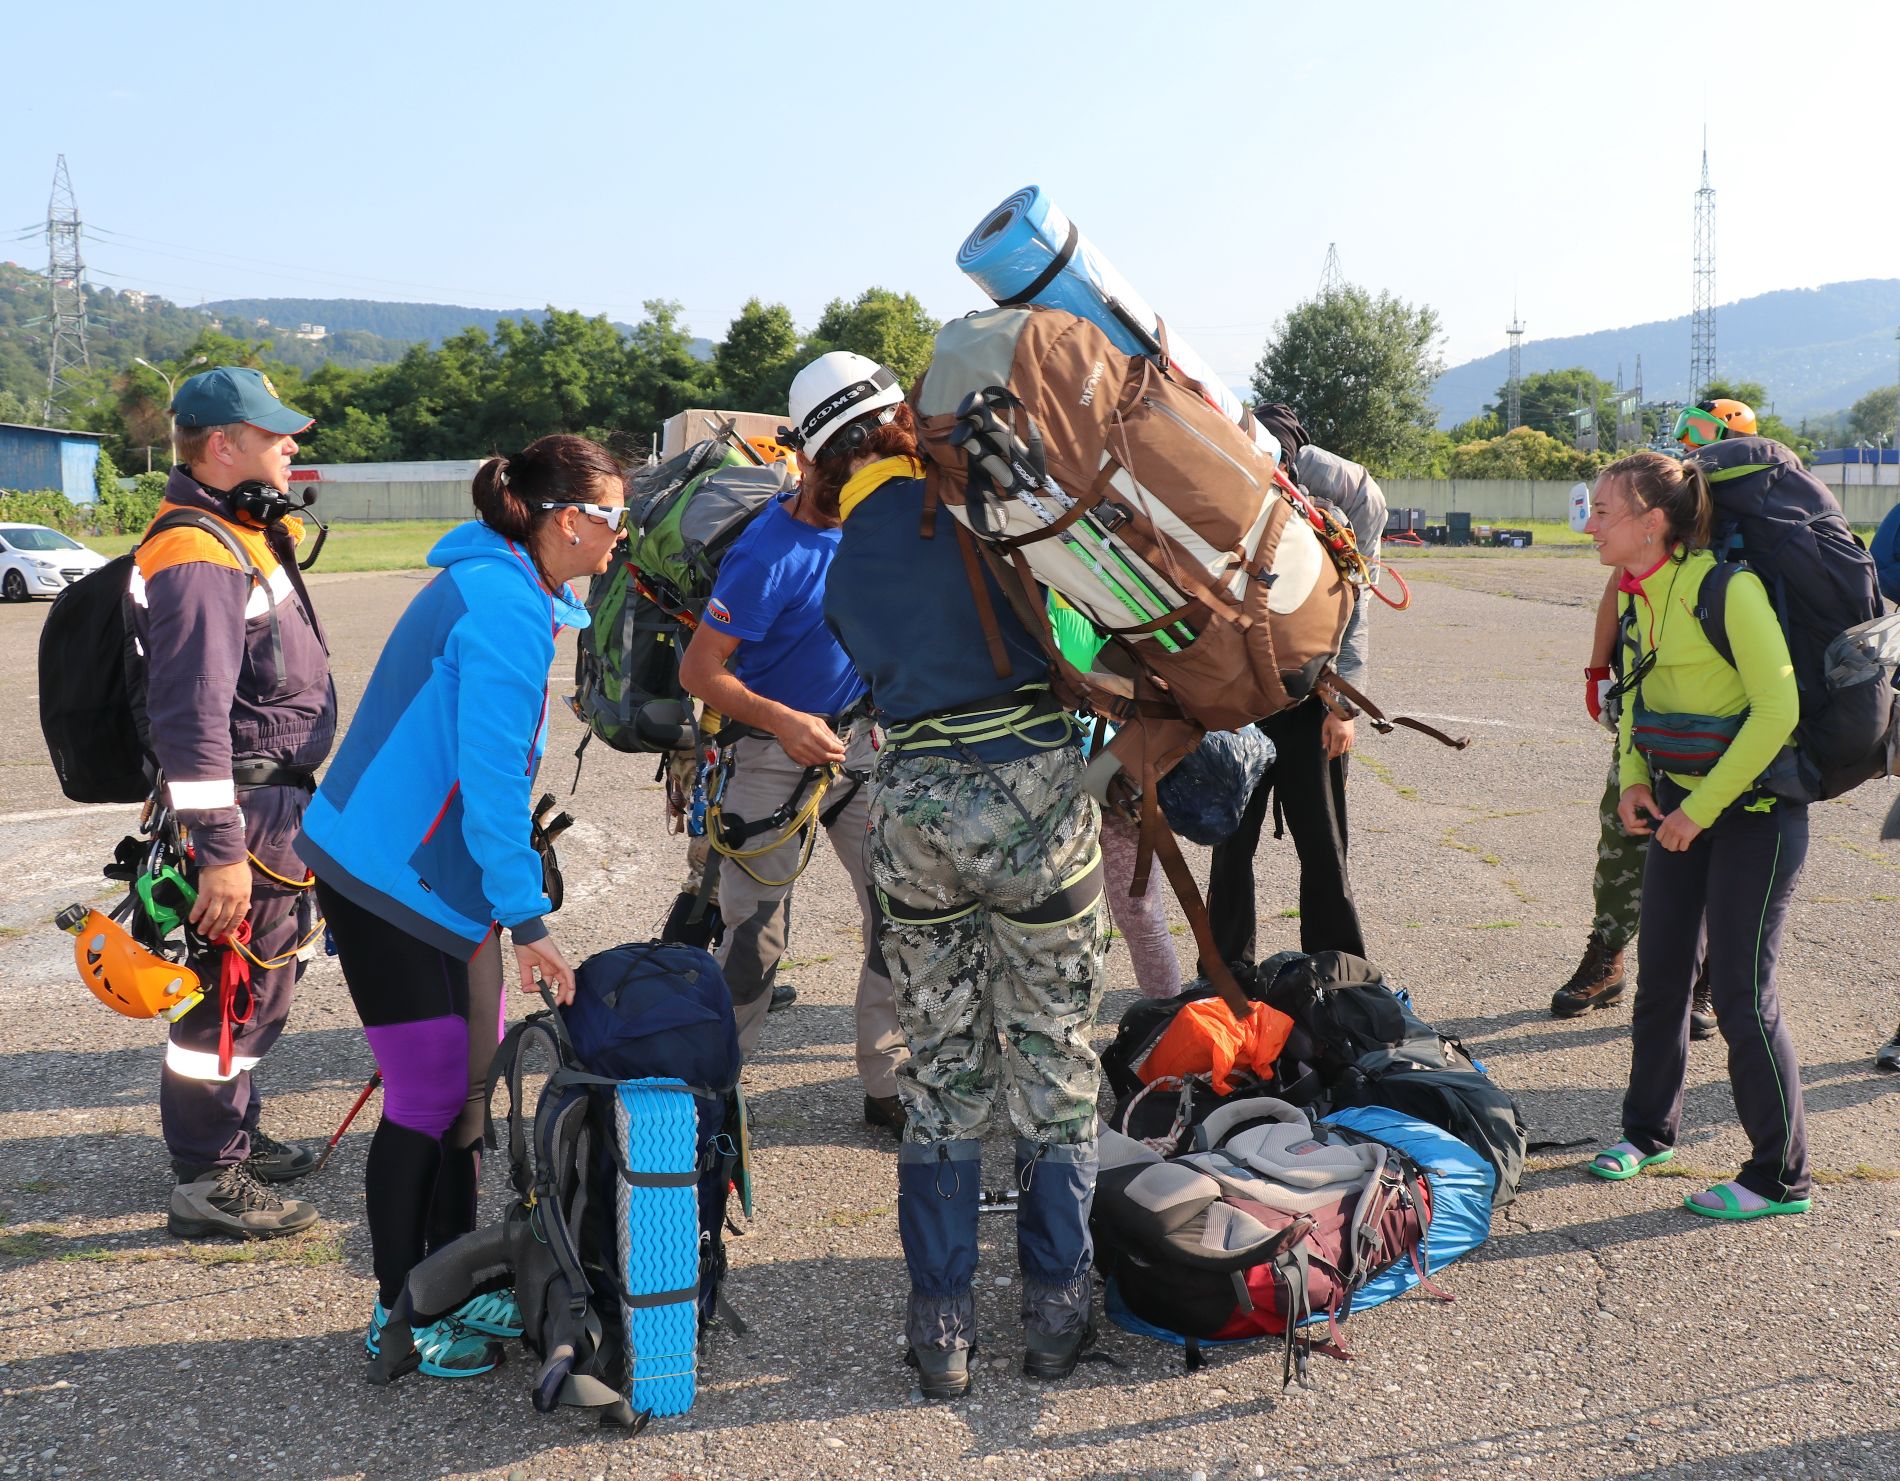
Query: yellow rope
pixel 264 869
pixel 803 819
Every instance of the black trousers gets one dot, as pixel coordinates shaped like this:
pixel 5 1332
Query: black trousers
pixel 1308 792
pixel 1742 873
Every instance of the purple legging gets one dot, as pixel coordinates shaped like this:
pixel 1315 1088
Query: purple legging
pixel 432 1021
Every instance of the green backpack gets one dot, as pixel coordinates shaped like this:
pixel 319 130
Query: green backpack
pixel 627 669
pixel 684 515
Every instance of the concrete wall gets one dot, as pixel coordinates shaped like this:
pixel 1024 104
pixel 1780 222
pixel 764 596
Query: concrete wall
pixel 1488 501
pixel 406 498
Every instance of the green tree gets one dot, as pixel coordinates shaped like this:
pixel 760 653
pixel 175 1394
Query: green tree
pixel 1872 417
pixel 1546 399
pixel 1487 424
pixel 893 329
pixel 1359 370
pixel 664 376
pixel 1524 452
pixel 758 358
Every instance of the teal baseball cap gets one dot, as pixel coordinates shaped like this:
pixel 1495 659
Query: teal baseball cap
pixel 231 393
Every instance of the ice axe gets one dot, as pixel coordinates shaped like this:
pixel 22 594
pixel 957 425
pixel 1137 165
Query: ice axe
pixel 361 1101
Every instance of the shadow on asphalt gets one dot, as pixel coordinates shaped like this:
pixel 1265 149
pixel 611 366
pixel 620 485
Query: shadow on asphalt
pixel 43 1079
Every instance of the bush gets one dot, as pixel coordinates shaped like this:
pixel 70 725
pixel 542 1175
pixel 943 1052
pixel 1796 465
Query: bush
pixel 129 511
pixel 41 507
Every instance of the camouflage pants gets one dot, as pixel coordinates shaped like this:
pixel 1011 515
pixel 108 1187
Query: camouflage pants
pixel 993 928
pixel 1617 889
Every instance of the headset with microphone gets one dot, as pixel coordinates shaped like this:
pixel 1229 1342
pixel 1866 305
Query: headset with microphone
pixel 269 505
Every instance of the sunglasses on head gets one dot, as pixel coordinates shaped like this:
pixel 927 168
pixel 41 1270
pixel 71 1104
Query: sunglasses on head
pixel 614 516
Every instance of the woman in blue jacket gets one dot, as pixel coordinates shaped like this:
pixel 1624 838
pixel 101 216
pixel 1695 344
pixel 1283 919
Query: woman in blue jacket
pixel 419 839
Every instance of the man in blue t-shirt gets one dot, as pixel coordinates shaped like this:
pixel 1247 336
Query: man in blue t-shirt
pixel 797 745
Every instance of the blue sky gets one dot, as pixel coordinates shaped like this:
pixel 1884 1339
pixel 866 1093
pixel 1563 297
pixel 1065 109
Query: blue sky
pixel 595 155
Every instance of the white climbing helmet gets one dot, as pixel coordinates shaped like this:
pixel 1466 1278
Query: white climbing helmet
pixel 834 390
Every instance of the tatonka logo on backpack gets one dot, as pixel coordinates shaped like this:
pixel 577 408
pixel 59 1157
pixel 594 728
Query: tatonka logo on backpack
pixel 1096 372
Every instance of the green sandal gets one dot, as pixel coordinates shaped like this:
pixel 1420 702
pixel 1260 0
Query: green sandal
pixel 1628 1164
pixel 1733 1211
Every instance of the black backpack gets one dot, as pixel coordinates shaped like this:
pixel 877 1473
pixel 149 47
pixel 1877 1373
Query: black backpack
pixel 1775 518
pixel 643 1013
pixel 92 676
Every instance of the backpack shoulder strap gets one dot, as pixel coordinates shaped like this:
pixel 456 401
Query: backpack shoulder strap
pixel 1711 607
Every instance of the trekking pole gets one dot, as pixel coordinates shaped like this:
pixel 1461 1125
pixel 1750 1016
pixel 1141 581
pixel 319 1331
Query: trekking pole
pixel 998 1201
pixel 361 1101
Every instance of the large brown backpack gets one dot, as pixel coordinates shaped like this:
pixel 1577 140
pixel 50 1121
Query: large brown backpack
pixel 1148 510
pixel 1224 590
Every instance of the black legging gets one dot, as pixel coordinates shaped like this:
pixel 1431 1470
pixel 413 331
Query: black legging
pixel 1310 792
pixel 433 1021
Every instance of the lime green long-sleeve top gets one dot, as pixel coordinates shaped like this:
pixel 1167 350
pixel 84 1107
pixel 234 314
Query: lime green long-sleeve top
pixel 1691 678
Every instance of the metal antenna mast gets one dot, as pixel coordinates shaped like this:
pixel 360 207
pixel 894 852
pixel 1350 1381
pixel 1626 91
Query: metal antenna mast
pixel 1331 277
pixel 65 277
pixel 1514 387
pixel 1702 320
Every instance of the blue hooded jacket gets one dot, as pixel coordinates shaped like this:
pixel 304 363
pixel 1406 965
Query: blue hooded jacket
pixel 423 817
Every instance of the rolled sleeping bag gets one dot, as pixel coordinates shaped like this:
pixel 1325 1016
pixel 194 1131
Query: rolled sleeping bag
pixel 1027 250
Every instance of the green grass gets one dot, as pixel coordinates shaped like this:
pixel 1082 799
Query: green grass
pixel 395 545
pixel 1546 534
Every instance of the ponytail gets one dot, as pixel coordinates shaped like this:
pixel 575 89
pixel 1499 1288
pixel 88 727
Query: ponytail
pixel 1678 487
pixel 499 506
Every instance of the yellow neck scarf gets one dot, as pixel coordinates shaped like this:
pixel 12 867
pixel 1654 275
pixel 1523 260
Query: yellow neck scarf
pixel 862 484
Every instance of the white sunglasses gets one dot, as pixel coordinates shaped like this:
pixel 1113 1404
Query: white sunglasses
pixel 614 516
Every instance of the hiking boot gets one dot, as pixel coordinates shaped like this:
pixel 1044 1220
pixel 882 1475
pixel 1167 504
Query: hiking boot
pixel 1702 1024
pixel 1050 1355
pixel 942 1372
pixel 1597 982
pixel 272 1161
pixel 783 996
pixel 444 1349
pixel 886 1111
pixel 497 1314
pixel 229 1201
pixel 1889 1056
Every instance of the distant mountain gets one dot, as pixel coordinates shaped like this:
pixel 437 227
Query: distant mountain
pixel 1817 350
pixel 408 323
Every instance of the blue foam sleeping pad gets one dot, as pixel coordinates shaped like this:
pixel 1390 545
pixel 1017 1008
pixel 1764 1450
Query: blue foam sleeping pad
pixel 1461 1180
pixel 1013 248
pixel 657 1218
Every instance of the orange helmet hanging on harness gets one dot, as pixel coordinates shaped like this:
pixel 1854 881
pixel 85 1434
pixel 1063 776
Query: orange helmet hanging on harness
pixel 125 976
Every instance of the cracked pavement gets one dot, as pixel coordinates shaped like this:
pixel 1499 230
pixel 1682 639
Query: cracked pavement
pixel 1601 1332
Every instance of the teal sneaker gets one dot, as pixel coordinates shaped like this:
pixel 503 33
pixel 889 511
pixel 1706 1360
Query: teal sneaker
pixel 498 1314
pixel 446 1349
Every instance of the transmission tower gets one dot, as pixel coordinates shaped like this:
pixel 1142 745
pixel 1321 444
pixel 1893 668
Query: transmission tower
pixel 1702 318
pixel 1514 387
pixel 1331 277
pixel 65 277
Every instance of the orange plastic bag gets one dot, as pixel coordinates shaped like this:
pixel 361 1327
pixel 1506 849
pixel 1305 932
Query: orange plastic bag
pixel 1206 1039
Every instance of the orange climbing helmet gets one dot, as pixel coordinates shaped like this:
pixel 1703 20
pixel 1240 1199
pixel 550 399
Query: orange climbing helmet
pixel 772 450
pixel 1711 421
pixel 126 976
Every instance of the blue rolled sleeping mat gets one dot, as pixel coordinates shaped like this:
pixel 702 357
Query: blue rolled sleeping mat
pixel 656 1211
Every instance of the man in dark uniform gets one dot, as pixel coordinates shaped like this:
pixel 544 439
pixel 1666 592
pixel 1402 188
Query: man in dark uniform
pixel 241 711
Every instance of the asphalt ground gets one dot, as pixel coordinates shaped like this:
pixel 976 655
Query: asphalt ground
pixel 1601 1332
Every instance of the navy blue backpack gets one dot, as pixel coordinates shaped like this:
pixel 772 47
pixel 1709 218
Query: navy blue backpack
pixel 615 1244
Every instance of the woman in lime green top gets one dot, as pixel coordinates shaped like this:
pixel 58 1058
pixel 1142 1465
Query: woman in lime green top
pixel 1695 735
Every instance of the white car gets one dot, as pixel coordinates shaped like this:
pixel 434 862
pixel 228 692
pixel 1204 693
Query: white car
pixel 38 562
